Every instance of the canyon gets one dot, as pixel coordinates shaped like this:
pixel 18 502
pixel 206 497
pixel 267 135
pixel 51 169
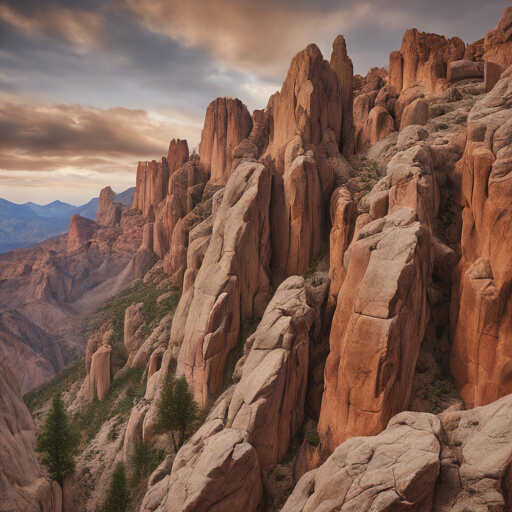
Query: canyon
pixel 331 275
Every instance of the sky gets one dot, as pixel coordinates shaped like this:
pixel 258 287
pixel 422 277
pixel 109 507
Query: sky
pixel 90 87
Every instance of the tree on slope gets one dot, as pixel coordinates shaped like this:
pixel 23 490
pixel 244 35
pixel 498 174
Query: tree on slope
pixel 57 443
pixel 177 410
pixel 118 497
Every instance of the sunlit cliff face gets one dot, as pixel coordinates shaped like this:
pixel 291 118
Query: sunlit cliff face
pixel 88 88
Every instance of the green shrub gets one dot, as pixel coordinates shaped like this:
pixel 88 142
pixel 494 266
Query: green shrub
pixel 145 460
pixel 118 497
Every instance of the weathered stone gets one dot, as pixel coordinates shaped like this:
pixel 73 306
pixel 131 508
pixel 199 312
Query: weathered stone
pixel 232 282
pixel 22 487
pixel 178 155
pixel 415 113
pixel 80 231
pixel 151 186
pixel 226 124
pixel 108 213
pixel 481 362
pixel 342 65
pixel 464 69
pixel 396 470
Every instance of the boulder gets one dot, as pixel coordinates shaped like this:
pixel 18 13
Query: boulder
pixel 226 124
pixel 416 113
pixel 464 69
pixel 476 459
pixel 380 124
pixel 396 470
pixel 216 471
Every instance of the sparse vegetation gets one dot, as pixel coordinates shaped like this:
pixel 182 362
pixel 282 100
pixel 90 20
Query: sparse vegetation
pixel 366 174
pixel 145 460
pixel 73 373
pixel 125 389
pixel 440 390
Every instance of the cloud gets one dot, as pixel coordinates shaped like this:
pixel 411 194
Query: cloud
pixel 50 137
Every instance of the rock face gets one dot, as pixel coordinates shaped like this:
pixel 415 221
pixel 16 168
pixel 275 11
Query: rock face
pixel 186 187
pixel 232 282
pixel 97 367
pixel 305 120
pixel 396 470
pixel 415 113
pixel 109 213
pixel 481 362
pixel 22 486
pixel 342 65
pixel 373 332
pixel 497 45
pixel 464 69
pixel 343 217
pixel 151 186
pixel 80 231
pixel 255 419
pixel 274 378
pixel 423 59
pixel 475 462
pixel 177 155
pixel 226 124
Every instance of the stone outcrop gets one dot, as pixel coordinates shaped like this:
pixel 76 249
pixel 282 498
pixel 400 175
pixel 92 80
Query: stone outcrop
pixel 97 366
pixel 481 315
pixel 109 213
pixel 217 470
pixel 226 124
pixel 22 486
pixel 423 59
pixel 343 217
pixel 232 282
pixel 464 69
pixel 416 113
pixel 178 155
pixel 80 231
pixel 144 259
pixel 151 186
pixel 268 402
pixel 260 414
pixel 497 45
pixel 374 332
pixel 476 459
pixel 342 65
pixel 186 187
pixel 396 470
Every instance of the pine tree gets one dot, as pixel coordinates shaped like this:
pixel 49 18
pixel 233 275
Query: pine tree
pixel 177 410
pixel 57 442
pixel 118 497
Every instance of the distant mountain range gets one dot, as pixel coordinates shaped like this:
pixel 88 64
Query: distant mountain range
pixel 23 225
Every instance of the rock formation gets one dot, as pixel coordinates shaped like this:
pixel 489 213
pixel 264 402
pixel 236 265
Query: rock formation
pixel 22 486
pixel 342 65
pixel 151 186
pixel 178 155
pixel 371 323
pixel 396 470
pixel 80 231
pixel 97 366
pixel 226 124
pixel 109 213
pixel 232 282
pixel 481 363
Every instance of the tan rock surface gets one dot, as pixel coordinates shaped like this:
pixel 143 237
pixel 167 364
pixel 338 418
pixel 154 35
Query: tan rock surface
pixel 396 470
pixel 108 213
pixel 80 231
pixel 232 282
pixel 22 486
